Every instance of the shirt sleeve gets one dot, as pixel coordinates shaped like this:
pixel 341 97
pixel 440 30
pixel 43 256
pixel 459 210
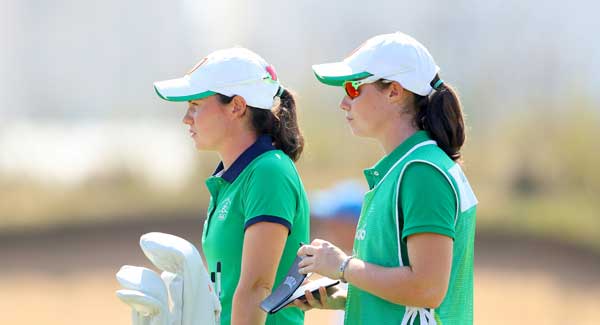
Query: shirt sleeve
pixel 427 201
pixel 271 195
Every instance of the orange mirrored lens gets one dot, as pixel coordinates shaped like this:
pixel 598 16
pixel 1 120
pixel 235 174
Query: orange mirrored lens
pixel 351 91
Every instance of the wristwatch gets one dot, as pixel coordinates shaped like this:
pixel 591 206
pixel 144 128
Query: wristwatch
pixel 343 268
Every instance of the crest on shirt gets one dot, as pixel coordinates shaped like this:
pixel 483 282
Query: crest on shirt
pixel 222 214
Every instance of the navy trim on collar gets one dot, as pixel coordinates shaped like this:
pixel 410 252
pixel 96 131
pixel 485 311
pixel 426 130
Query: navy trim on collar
pixel 263 144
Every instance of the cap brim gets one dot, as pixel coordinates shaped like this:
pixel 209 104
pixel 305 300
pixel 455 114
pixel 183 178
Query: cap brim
pixel 335 74
pixel 180 90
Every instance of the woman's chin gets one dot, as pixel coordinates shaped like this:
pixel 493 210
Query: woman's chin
pixel 201 146
pixel 356 132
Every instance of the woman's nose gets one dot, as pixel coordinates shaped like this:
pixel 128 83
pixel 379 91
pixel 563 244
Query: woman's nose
pixel 187 119
pixel 345 103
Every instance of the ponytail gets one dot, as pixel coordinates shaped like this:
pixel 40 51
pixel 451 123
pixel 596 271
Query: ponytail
pixel 281 123
pixel 440 114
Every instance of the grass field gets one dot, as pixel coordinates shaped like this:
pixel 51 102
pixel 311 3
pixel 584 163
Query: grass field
pixel 67 277
pixel 88 298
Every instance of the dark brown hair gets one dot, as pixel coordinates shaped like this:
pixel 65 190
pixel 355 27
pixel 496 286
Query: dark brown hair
pixel 281 123
pixel 440 114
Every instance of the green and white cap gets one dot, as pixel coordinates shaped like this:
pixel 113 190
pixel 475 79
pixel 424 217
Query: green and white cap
pixel 233 71
pixel 395 56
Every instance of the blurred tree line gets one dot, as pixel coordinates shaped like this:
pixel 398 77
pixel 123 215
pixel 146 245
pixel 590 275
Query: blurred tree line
pixel 535 173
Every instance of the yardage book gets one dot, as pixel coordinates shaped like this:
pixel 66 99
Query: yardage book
pixel 291 289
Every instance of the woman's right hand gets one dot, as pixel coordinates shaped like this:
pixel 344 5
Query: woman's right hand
pixel 330 298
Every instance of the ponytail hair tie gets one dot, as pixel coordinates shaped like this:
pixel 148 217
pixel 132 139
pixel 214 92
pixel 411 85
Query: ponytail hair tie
pixel 436 83
pixel 279 92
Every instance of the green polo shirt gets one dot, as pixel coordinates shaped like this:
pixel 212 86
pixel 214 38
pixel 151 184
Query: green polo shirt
pixel 415 189
pixel 262 185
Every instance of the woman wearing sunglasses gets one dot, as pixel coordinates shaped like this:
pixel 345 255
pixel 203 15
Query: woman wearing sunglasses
pixel 412 261
pixel 258 211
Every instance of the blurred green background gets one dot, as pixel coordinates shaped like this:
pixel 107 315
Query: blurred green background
pixel 86 145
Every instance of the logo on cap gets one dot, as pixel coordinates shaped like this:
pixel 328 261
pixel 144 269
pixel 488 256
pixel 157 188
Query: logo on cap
pixel 271 71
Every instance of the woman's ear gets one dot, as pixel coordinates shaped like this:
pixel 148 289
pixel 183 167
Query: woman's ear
pixel 237 107
pixel 396 93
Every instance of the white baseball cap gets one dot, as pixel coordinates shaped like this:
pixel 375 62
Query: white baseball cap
pixel 395 56
pixel 233 71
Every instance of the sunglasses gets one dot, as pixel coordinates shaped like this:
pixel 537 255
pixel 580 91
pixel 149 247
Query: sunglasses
pixel 352 86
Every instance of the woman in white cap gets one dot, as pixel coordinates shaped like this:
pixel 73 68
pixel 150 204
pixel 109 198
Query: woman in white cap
pixel 258 211
pixel 412 260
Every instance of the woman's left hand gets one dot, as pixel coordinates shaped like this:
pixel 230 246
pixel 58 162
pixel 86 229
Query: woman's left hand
pixel 330 298
pixel 321 257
